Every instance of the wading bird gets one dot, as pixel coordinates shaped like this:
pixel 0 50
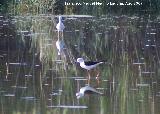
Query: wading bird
pixel 88 65
pixel 60 26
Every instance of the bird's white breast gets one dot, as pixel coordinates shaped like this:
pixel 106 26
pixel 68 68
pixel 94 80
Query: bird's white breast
pixel 60 26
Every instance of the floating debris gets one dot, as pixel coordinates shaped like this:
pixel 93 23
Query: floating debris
pixel 77 30
pixel 114 27
pixel 72 107
pixel 51 69
pixel 6 21
pixel 46 84
pixel 58 61
pixel 105 80
pixel 139 63
pixel 24 31
pixel 5 24
pixel 28 75
pixel 142 85
pixel 83 79
pixel 153 45
pixel 28 98
pixel 147 72
pixel 30 34
pixel 71 18
pixel 154 82
pixel 47 39
pixel 41 33
pixel 49 99
pixel 134 17
pixel 102 88
pixel 68 31
pixel 121 40
pixel 141 100
pixel 9 95
pixel 147 45
pixel 23 64
pixel 72 77
pixel 19 87
pixel 37 65
pixel 99 33
pixel 152 33
pixel 133 89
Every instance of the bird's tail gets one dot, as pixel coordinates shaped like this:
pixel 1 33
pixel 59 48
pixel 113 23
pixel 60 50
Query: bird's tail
pixel 100 62
pixel 105 62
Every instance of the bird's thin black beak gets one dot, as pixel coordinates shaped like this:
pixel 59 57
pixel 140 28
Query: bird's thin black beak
pixel 76 62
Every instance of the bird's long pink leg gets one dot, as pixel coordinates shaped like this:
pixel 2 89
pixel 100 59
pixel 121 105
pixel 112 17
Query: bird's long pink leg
pixel 62 34
pixel 97 77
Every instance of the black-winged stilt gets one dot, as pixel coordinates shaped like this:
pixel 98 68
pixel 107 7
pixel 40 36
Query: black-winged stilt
pixel 60 26
pixel 88 65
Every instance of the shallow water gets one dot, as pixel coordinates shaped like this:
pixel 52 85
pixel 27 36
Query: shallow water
pixel 34 79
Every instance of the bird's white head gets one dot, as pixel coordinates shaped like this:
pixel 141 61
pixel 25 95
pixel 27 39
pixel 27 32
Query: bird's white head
pixel 79 95
pixel 60 18
pixel 80 60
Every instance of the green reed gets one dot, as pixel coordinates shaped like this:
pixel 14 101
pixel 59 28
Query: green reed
pixel 96 39
pixel 16 7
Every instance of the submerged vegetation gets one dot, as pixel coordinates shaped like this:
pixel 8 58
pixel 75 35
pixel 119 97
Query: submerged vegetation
pixel 35 79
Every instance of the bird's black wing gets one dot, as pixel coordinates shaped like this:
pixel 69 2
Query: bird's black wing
pixel 90 63
pixel 89 92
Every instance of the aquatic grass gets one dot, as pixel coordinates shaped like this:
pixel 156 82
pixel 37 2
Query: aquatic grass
pixel 42 41
pixel 123 74
pixel 132 102
pixel 39 47
pixel 124 81
pixel 106 101
pixel 30 7
pixel 122 90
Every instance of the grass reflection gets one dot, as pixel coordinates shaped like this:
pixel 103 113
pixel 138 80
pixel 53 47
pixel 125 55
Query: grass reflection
pixel 47 83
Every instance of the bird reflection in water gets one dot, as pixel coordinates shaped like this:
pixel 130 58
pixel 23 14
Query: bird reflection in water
pixel 87 90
